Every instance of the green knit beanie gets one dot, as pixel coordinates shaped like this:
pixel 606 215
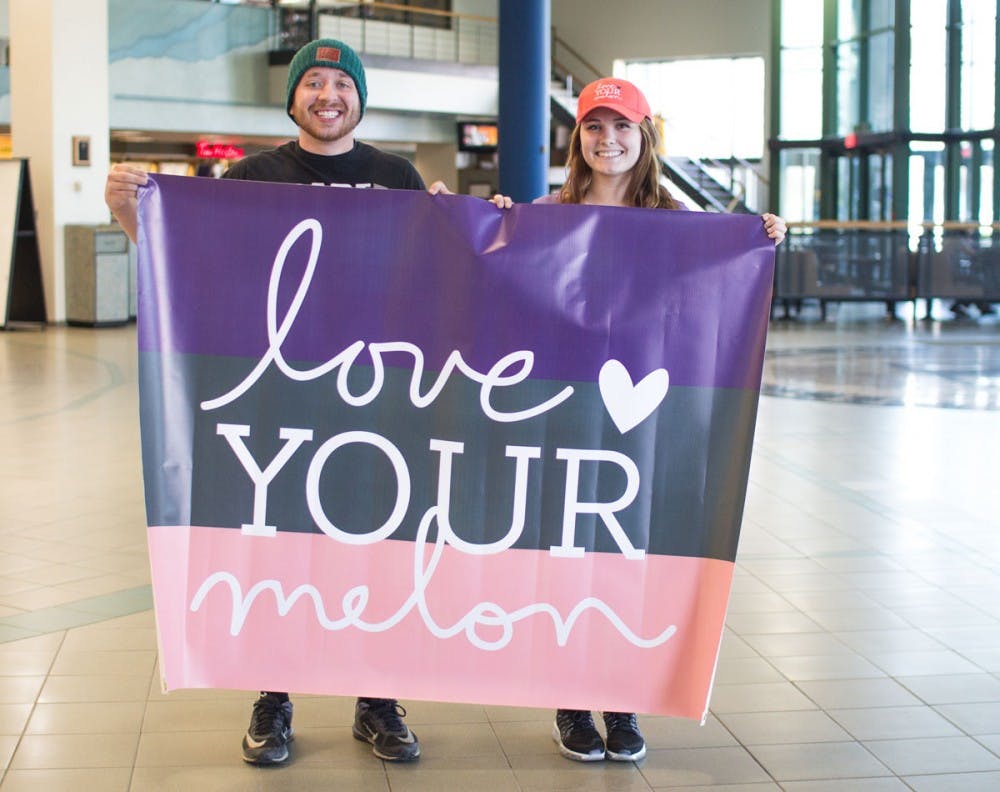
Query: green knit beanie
pixel 332 54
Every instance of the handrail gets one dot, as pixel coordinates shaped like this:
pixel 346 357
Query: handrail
pixel 889 225
pixel 568 71
pixel 851 225
pixel 562 42
pixel 724 165
pixel 747 184
pixel 364 4
pixel 374 27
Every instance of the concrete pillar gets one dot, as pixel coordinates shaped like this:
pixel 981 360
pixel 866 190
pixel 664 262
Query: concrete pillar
pixel 525 69
pixel 59 92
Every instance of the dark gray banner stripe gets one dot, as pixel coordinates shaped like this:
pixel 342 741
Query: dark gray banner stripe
pixel 692 455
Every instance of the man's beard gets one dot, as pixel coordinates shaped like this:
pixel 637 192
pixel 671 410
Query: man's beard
pixel 320 131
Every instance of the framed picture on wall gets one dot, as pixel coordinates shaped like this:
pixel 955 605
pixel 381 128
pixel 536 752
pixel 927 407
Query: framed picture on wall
pixel 81 150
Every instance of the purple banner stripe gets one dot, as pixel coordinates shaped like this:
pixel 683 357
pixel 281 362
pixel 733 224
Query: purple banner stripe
pixel 574 285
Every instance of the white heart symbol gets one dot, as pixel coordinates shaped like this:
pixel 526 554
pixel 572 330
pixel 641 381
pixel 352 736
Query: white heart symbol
pixel 628 404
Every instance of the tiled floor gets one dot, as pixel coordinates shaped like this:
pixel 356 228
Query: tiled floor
pixel 863 642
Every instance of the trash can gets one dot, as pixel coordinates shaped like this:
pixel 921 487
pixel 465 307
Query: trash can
pixel 98 281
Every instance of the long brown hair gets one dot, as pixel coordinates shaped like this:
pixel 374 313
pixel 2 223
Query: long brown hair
pixel 644 188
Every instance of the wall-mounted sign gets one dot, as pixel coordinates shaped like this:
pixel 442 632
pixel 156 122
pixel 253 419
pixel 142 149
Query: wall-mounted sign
pixel 81 150
pixel 207 150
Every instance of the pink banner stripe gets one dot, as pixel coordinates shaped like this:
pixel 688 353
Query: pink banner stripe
pixel 427 655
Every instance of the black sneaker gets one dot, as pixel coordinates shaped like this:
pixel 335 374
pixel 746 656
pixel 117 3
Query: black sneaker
pixel 270 731
pixel 577 737
pixel 380 722
pixel 625 743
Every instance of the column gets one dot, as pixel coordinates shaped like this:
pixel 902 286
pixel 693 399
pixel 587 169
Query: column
pixel 525 68
pixel 59 92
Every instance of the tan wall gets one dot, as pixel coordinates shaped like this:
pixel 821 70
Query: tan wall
pixel 436 161
pixel 603 31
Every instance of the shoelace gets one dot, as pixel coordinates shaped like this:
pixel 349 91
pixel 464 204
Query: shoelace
pixel 389 715
pixel 621 720
pixel 577 717
pixel 268 717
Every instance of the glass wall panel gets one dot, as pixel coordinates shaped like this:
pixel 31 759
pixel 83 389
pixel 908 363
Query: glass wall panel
pixel 848 19
pixel 978 63
pixel 799 184
pixel 964 182
pixel 801 23
pixel 801 69
pixel 986 183
pixel 847 184
pixel 883 14
pixel 915 211
pixel 801 94
pixel 730 125
pixel 848 62
pixel 880 76
pixel 861 184
pixel 926 182
pixel 880 189
pixel 928 66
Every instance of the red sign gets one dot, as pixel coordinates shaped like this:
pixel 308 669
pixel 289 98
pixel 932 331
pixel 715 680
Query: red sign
pixel 207 150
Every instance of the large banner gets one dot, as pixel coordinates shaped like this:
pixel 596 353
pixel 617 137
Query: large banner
pixel 418 447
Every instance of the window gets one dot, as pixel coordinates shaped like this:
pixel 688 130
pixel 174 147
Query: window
pixel 711 107
pixel 978 63
pixel 801 70
pixel 928 66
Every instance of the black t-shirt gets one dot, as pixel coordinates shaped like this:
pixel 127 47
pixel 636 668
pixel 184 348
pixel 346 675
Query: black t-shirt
pixel 362 166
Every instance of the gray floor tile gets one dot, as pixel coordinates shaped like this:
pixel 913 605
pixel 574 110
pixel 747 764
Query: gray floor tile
pixel 854 693
pixel 539 772
pixel 837 666
pixel 879 723
pixel 434 773
pixel 934 755
pixel 973 718
pixel 816 761
pixel 701 766
pixel 67 751
pixel 87 718
pixel 955 782
pixel 847 785
pixel 760 697
pixel 106 779
pixel 861 640
pixel 784 727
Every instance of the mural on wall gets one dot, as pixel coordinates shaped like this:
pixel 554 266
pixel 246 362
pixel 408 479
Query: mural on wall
pixel 188 50
pixel 176 58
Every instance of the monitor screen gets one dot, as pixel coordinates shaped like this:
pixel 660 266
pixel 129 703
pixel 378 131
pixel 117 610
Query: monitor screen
pixel 477 136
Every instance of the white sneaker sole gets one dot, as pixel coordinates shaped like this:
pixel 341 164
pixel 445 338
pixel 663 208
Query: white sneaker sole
pixel 626 757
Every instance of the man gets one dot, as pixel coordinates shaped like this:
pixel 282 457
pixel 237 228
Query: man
pixel 326 99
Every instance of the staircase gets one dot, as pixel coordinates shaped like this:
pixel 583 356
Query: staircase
pixel 563 102
pixel 693 179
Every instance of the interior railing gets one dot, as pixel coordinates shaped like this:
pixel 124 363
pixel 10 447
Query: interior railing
pixel 744 180
pixel 390 29
pixel 569 67
pixel 837 261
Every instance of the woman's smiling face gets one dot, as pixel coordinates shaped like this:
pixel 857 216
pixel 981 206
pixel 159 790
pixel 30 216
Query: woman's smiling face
pixel 609 142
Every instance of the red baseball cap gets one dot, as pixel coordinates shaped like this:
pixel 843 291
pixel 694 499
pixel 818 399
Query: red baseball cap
pixel 620 95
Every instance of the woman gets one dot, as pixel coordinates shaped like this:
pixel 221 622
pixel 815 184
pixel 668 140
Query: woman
pixel 613 162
